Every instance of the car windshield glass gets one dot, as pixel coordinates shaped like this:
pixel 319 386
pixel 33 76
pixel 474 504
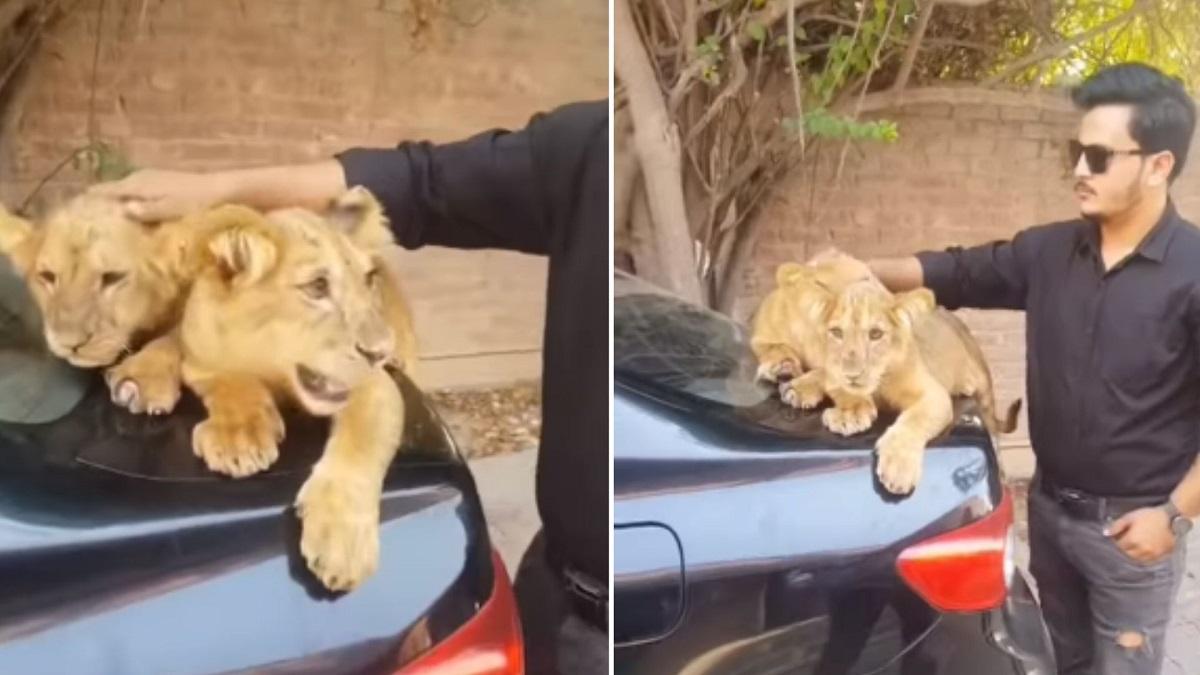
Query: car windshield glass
pixel 661 340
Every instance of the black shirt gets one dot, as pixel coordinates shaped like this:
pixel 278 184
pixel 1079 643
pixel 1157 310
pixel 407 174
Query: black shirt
pixel 541 190
pixel 1113 358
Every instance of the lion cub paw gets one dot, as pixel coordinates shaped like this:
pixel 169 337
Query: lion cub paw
pixel 848 420
pixel 776 371
pixel 900 457
pixel 339 536
pixel 802 393
pixel 141 387
pixel 241 444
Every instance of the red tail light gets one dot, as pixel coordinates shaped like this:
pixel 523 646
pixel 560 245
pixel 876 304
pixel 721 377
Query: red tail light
pixel 489 644
pixel 965 570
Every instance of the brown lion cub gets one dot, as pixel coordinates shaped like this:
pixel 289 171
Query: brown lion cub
pixel 110 291
pixel 296 307
pixel 786 338
pixel 903 353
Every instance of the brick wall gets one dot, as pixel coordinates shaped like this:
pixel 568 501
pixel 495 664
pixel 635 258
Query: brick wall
pixel 971 166
pixel 204 84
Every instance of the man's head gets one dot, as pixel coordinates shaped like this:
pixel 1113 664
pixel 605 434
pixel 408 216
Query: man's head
pixel 1133 139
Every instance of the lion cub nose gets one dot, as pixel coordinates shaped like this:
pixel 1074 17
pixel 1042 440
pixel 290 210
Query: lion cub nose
pixel 373 356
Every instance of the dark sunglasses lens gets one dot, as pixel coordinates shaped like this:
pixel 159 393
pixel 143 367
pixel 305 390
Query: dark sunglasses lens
pixel 1074 150
pixel 1097 159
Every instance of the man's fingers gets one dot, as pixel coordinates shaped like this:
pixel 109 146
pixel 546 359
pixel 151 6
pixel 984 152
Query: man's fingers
pixel 151 210
pixel 1119 526
pixel 110 189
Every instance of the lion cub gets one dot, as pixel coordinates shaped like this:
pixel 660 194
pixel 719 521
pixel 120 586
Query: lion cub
pixel 869 348
pixel 294 307
pixel 786 339
pixel 106 286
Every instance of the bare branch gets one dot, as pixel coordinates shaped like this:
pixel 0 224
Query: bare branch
pixel 731 88
pixel 795 70
pixel 1059 48
pixel 914 45
pixel 866 85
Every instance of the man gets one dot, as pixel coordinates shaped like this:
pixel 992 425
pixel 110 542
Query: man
pixel 540 190
pixel 1112 303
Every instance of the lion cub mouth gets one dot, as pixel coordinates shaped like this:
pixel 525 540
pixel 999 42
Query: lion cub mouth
pixel 321 387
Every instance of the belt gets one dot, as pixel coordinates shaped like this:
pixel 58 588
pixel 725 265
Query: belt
pixel 588 597
pixel 1085 506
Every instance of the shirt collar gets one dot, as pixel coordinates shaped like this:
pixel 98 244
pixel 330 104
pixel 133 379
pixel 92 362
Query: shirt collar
pixel 1152 247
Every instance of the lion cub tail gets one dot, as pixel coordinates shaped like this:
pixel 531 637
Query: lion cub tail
pixel 997 425
pixel 1009 424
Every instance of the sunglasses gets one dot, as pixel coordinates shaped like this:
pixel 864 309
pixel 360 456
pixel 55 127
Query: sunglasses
pixel 1098 156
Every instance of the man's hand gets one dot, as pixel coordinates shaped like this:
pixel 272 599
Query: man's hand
pixel 826 254
pixel 1144 535
pixel 152 195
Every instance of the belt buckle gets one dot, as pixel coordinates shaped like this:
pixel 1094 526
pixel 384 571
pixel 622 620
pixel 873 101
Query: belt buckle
pixel 1079 503
pixel 588 593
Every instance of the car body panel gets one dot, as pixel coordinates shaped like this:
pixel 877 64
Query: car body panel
pixel 120 553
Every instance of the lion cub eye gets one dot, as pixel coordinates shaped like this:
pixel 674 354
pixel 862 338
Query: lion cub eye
pixel 373 277
pixel 836 333
pixel 109 279
pixel 47 276
pixel 876 334
pixel 317 289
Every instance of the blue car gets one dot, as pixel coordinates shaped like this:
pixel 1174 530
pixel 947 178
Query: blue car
pixel 748 539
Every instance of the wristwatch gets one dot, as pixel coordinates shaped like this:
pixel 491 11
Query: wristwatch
pixel 1180 524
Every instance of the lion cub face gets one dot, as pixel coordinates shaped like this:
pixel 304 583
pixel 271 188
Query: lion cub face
pixel 868 331
pixel 297 299
pixel 94 275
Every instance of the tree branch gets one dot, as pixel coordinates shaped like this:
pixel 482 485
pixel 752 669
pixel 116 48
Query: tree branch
pixel 914 45
pixel 656 140
pixel 795 71
pixel 1059 48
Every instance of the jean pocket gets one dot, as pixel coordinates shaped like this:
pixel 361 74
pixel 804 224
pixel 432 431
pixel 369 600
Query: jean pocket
pixel 1123 569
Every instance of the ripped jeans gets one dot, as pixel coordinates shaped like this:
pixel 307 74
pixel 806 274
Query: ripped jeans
pixel 1107 613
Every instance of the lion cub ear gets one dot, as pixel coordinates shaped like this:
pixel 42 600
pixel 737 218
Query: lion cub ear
pixel 236 238
pixel 911 305
pixel 359 215
pixel 790 273
pixel 245 254
pixel 18 240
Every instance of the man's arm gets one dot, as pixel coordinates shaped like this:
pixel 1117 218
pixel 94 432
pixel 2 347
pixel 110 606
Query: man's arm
pixel 154 194
pixel 899 274
pixel 498 189
pixel 1186 495
pixel 1145 534
pixel 990 276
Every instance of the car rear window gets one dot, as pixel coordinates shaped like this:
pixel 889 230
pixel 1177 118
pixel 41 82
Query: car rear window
pixel 663 341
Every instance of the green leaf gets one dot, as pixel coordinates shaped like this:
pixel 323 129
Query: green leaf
pixel 756 31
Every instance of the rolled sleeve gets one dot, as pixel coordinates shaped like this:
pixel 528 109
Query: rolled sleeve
pixel 989 276
pixel 938 270
pixel 478 193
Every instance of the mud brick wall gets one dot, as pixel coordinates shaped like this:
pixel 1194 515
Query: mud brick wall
pixel 971 166
pixel 207 84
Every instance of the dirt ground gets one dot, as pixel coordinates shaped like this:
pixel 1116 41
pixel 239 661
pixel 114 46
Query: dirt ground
pixel 492 421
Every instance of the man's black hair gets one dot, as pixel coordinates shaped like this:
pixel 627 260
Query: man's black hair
pixel 1164 115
